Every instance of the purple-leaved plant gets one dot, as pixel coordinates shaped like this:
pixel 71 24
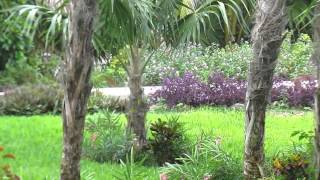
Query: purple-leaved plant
pixel 221 90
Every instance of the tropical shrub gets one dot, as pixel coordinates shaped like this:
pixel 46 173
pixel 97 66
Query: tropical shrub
pixel 105 138
pixel 168 140
pixel 32 99
pixel 207 161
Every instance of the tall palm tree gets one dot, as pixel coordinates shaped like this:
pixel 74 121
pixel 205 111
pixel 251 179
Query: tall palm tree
pixel 267 35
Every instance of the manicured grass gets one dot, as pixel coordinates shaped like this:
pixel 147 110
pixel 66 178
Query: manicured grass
pixel 37 140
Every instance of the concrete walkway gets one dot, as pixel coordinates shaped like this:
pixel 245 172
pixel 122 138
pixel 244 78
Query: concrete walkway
pixel 124 91
pixel 121 91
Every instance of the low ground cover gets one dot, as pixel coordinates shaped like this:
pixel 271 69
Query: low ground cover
pixel 36 140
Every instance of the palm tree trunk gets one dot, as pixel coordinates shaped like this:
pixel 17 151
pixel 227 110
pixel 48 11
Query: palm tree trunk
pixel 267 37
pixel 78 64
pixel 137 107
pixel 316 59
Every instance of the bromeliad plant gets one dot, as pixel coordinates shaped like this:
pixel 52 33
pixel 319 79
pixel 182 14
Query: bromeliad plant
pixel 168 140
pixel 6 171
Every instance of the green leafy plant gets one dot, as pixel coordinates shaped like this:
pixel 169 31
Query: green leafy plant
pixel 5 171
pixel 207 161
pixel 106 139
pixel 168 140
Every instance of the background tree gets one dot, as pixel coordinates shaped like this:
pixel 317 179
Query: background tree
pixel 267 36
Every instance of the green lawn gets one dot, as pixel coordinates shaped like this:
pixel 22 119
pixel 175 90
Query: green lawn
pixel 36 140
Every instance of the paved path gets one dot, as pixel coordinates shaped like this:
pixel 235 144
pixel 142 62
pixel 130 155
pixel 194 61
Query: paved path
pixel 121 91
pixel 124 91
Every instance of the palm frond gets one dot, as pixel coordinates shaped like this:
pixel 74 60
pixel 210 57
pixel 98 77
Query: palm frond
pixel 41 21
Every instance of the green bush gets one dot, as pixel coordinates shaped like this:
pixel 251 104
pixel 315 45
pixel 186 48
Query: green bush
pixel 31 99
pixel 168 140
pixel 105 138
pixel 207 161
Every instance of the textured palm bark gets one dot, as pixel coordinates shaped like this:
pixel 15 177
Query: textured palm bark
pixel 137 106
pixel 267 37
pixel 78 63
pixel 316 59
